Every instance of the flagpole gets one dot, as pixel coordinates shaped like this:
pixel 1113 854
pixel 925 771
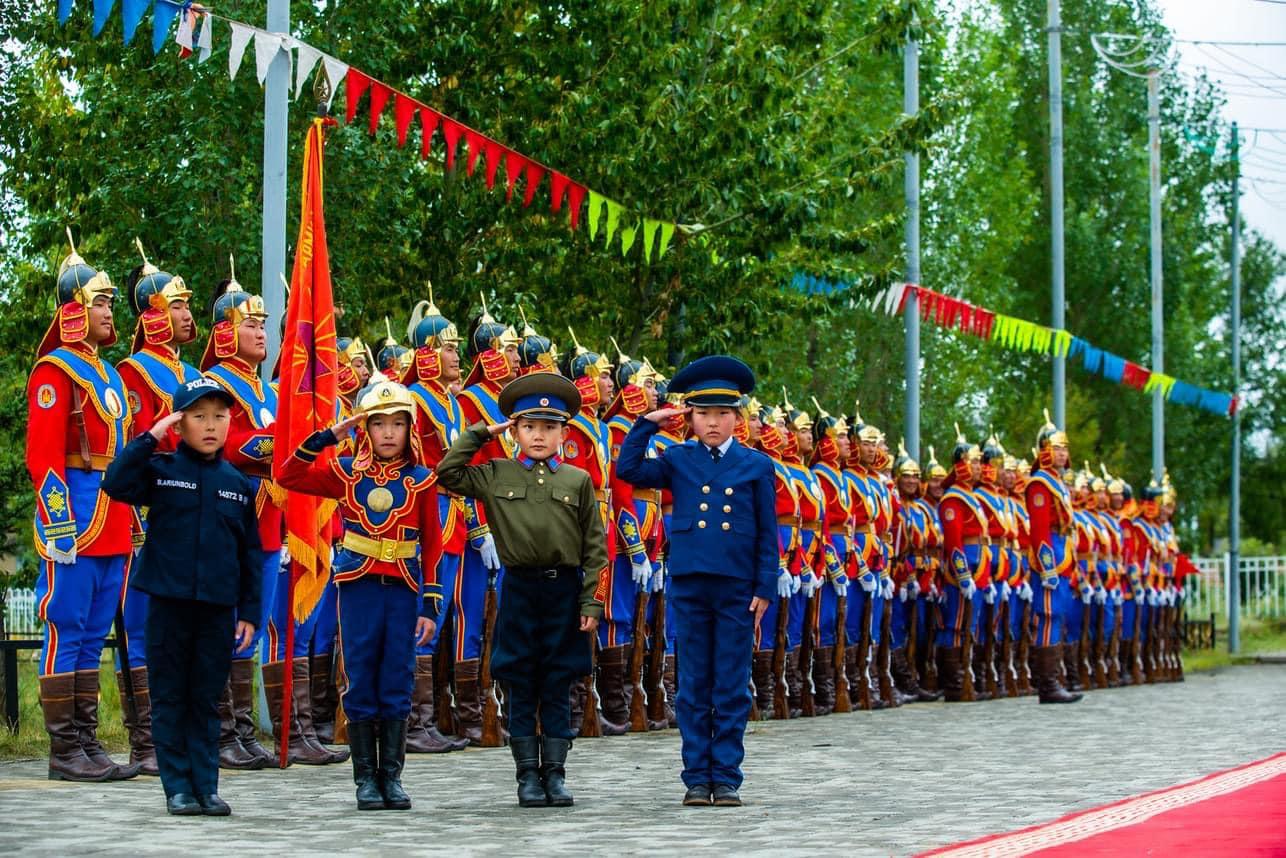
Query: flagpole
pixel 275 102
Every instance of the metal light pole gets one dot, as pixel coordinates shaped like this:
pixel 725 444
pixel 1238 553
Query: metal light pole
pixel 911 106
pixel 1158 321
pixel 1056 203
pixel 1234 500
pixel 276 98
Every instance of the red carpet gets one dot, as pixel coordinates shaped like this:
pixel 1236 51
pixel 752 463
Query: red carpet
pixel 1240 811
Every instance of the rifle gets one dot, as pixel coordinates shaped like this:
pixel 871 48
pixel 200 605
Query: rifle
pixel 442 677
pixel 930 682
pixel 1114 653
pixel 1136 645
pixel 78 417
pixel 1007 651
pixel 807 645
pixel 1100 647
pixel 122 651
pixel 590 728
pixel 843 703
pixel 884 654
pixel 638 653
pixel 491 735
pixel 656 667
pixel 780 703
pixel 913 632
pixel 1083 647
pixel 989 649
pixel 966 650
pixel 1024 651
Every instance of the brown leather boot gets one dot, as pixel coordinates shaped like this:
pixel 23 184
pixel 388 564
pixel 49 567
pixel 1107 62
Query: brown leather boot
pixel 232 754
pixel 824 680
pixel 577 695
pixel 86 716
pixel 951 669
pixel 422 736
pixel 139 727
pixel 1045 664
pixel 468 706
pixel 794 684
pixel 1008 673
pixel 241 684
pixel 884 677
pixel 297 750
pixel 905 680
pixel 761 674
pixel 1069 665
pixel 325 698
pixel 980 673
pixel 302 689
pixel 67 759
pixel 670 679
pixel 614 690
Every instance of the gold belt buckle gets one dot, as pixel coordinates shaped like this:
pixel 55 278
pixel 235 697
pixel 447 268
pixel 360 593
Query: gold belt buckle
pixel 388 549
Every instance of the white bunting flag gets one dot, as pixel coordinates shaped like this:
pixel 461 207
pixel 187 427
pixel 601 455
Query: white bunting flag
pixel 336 71
pixel 266 47
pixel 241 35
pixel 307 57
pixel 205 39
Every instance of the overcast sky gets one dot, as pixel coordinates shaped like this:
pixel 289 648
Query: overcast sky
pixel 1254 79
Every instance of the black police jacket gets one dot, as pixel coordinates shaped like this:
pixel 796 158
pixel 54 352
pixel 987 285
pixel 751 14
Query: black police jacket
pixel 202 535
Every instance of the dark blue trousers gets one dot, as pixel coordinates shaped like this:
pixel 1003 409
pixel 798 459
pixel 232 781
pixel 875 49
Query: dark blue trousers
pixel 377 615
pixel 188 659
pixel 715 634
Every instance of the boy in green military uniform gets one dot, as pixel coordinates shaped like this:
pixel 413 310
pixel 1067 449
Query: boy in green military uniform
pixel 549 535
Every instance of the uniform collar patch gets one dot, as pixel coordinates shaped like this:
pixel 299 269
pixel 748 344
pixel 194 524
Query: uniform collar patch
pixel 552 462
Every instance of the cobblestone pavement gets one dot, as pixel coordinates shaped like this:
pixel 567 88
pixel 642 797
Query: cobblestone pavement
pixel 875 783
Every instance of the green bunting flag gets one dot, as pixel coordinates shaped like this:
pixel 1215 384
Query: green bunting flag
pixel 596 201
pixel 627 239
pixel 667 233
pixel 649 236
pixel 613 219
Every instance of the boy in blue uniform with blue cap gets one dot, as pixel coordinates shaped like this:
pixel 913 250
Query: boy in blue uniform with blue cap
pixel 723 564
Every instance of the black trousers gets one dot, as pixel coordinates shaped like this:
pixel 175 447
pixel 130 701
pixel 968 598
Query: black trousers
pixel 189 654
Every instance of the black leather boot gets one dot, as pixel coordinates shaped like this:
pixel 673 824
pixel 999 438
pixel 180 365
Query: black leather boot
pixel 362 743
pixel 553 762
pixel 526 753
pixel 392 757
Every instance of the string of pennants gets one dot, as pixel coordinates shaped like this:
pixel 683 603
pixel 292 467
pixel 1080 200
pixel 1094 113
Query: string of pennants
pixel 1021 335
pixel 194 34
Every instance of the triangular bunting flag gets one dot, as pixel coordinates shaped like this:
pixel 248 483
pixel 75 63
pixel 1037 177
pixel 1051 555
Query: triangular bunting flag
pixel 64 11
pixel 614 210
pixel 131 14
pixel 403 113
pixel 557 189
pixel 627 238
pixel 513 169
pixel 451 133
pixel 163 15
pixel 535 173
pixel 336 71
pixel 575 199
pixel 493 151
pixel 667 233
pixel 183 35
pixel 357 83
pixel 379 97
pixel 429 119
pixel 595 212
pixel 649 235
pixel 267 45
pixel 241 36
pixel 102 11
pixel 473 140
pixel 306 56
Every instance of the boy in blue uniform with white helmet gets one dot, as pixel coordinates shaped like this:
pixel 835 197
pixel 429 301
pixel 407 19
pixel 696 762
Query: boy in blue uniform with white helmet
pixel 723 564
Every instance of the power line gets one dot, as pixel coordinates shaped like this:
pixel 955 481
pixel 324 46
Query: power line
pixel 1248 62
pixel 1232 43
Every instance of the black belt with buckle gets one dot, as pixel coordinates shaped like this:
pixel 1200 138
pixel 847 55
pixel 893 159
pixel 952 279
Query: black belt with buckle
pixel 548 573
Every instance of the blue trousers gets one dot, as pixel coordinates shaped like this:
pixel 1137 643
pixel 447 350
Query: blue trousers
pixel 899 623
pixel 470 602
pixel 326 625
pixel 268 584
pixel 377 615
pixel 134 611
pixel 1128 607
pixel 716 633
pixel 826 614
pixel 857 599
pixel 617 626
pixel 768 625
pixel 77 602
pixel 188 661
pixel 795 625
pixel 1050 609
pixel 952 617
pixel 448 571
pixel 1015 616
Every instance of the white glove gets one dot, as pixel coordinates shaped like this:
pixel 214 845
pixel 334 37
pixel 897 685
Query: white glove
pixel 1100 595
pixel 868 581
pixel 1152 598
pixel 784 585
pixel 1005 591
pixel 1117 598
pixel 795 584
pixel 967 588
pixel 912 588
pixel 841 585
pixel 934 594
pixel 285 556
pixel 62 558
pixel 658 578
pixel 640 570
pixel 989 596
pixel 809 583
pixel 902 593
pixel 487 551
pixel 886 588
pixel 1179 592
pixel 1024 592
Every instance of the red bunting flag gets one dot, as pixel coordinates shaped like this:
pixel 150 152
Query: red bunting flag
pixel 1135 376
pixel 353 91
pixel 428 124
pixel 535 173
pixel 514 164
pixel 557 190
pixel 451 131
pixel 379 97
pixel 474 141
pixel 494 150
pixel 403 113
pixel 575 197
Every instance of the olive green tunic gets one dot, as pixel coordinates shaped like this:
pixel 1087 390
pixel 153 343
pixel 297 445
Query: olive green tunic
pixel 540 516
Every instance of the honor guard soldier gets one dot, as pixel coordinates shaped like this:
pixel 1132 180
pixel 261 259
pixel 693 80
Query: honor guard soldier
pixel 1150 564
pixel 201 569
pixel 912 562
pixel 151 374
pixel 588 446
pixel 493 348
pixel 870 503
pixel 1106 633
pixel 393 358
pixel 723 565
pixel 385 571
pixel 354 373
pixel 549 535
pixel 930 581
pixel 792 423
pixel 77 423
pixel 435 367
pixel 1000 529
pixel 632 525
pixel 829 450
pixel 965 572
pixel 1049 508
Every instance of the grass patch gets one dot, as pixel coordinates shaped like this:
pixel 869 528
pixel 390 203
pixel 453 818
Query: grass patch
pixel 1258 637
pixel 32 742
